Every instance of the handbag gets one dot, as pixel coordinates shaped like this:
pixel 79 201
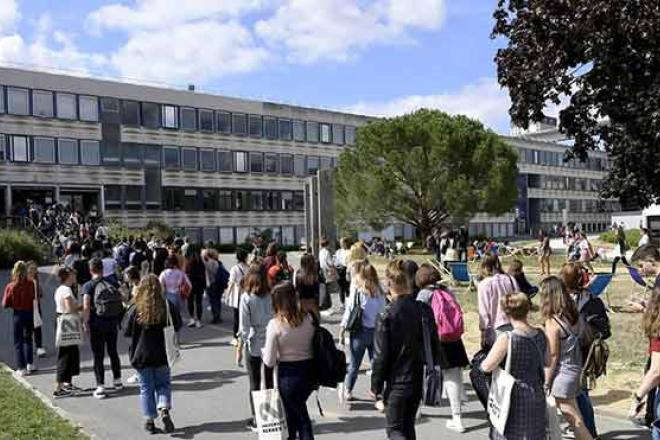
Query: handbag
pixel 354 323
pixel 553 428
pixel 172 348
pixel 432 375
pixel 499 398
pixel 69 330
pixel 269 412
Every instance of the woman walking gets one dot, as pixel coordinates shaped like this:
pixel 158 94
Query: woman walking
pixel 19 296
pixel 212 264
pixel 492 288
pixel 33 275
pixel 545 251
pixel 145 322
pixel 233 293
pixel 68 358
pixel 586 252
pixel 255 312
pixel 369 298
pixel 175 282
pixel 196 271
pixel 341 260
pixel 620 249
pixel 289 346
pixel 562 376
pixel 308 284
pixel 526 418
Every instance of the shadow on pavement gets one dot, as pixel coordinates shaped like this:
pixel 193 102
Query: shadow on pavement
pixel 189 432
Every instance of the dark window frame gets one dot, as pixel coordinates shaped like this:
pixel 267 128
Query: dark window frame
pixel 28 100
pixel 59 151
pixel 183 162
pixel 235 117
pixel 81 154
pixel 159 117
pixel 185 115
pixel 52 103
pixel 205 111
pixel 164 161
pixel 213 155
pixel 58 106
pixel 258 122
pixel 227 122
pixel 163 117
pixel 130 112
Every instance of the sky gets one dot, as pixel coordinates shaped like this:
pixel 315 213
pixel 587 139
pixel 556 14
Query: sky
pixel 375 57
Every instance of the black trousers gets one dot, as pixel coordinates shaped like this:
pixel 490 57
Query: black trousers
pixel 68 363
pixel 195 302
pixel 253 365
pixel 344 285
pixel 38 338
pixel 616 261
pixel 236 320
pixel 105 338
pixel 402 405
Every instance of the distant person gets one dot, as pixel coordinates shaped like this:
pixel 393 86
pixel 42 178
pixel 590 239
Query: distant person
pixel 328 267
pixel 33 275
pixel 271 256
pixel 644 238
pixel 233 293
pixel 68 358
pixel 19 296
pixel 516 270
pixel 490 291
pixel 196 272
pixel 586 252
pixel 280 271
pixel 620 248
pixel 545 252
pixel 308 284
pixel 213 293
pixel 341 261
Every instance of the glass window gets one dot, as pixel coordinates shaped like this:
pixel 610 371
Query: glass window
pixel 256 200
pixel 312 131
pixel 130 113
pixel 3 147
pixel 256 126
pixel 2 99
pixel 299 166
pixel 170 116
pixel 209 235
pixel 20 151
pixel 89 108
pixel 150 115
pixel 338 134
pixel 287 200
pixel 42 103
pixel 189 158
pixel 256 162
pixel 17 101
pixel 171 158
pixel 299 131
pixel 225 162
pixel 133 198
pixel 285 130
pixel 112 153
pixel 286 164
pixel 223 122
pixel 225 200
pixel 110 105
pixel 226 235
pixel 239 123
pixel 270 128
pixel 206 120
pixel 242 235
pixel 66 106
pixel 240 162
pixel 132 155
pixel 312 164
pixel 44 150
pixel 112 197
pixel 67 151
pixel 350 135
pixel 272 163
pixel 326 162
pixel 90 152
pixel 272 200
pixel 326 135
pixel 190 199
pixel 209 199
pixel 172 199
pixel 151 155
pixel 188 118
pixel 207 160
pixel 298 201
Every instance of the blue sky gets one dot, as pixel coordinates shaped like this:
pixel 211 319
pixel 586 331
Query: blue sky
pixel 381 57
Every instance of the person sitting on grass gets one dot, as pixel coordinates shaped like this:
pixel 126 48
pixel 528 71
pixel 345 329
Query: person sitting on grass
pixel 516 271
pixel 647 259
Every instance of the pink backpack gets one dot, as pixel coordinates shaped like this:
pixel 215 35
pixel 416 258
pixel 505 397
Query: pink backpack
pixel 448 316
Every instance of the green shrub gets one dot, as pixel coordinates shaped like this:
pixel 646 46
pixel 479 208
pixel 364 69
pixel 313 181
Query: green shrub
pixel 632 237
pixel 18 245
pixel 160 230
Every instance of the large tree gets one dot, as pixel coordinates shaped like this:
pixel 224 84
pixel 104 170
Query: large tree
pixel 423 169
pixel 604 55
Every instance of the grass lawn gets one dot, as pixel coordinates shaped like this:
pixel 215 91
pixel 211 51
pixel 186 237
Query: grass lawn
pixel 628 346
pixel 24 417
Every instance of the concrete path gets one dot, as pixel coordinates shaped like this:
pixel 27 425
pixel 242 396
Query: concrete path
pixel 211 400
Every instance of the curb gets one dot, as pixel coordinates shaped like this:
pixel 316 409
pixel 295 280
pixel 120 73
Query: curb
pixel 48 402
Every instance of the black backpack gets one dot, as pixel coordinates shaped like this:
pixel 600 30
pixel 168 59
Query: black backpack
pixel 329 362
pixel 137 259
pixel 221 277
pixel 108 303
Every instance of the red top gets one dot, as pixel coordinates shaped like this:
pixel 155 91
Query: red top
pixel 655 345
pixel 19 296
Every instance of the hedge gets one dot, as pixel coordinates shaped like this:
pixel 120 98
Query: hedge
pixel 632 237
pixel 18 245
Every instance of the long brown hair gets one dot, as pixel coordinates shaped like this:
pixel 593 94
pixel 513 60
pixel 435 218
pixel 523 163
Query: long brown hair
pixel 490 266
pixel 651 319
pixel 285 304
pixel 367 280
pixel 556 301
pixel 255 281
pixel 149 301
pixel 308 274
pixel 571 276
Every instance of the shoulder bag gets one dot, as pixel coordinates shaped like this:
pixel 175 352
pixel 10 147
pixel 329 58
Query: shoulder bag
pixel 171 339
pixel 69 330
pixel 432 375
pixel 499 398
pixel 354 323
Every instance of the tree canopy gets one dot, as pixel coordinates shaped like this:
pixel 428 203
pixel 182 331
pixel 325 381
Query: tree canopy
pixel 605 56
pixel 423 169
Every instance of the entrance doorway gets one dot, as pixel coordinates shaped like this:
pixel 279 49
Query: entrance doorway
pixel 23 198
pixel 83 201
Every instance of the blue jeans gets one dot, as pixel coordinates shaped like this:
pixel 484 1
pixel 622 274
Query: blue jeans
pixel 360 342
pixel 655 431
pixel 155 390
pixel 23 327
pixel 587 411
pixel 295 385
pixel 214 301
pixel 175 299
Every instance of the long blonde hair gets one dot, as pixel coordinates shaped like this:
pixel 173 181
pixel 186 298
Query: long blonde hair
pixel 651 319
pixel 149 301
pixel 367 280
pixel 19 272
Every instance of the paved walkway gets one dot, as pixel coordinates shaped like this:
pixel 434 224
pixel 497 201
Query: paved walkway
pixel 211 401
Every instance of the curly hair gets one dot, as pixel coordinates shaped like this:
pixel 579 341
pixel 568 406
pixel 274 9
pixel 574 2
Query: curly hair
pixel 149 301
pixel 651 319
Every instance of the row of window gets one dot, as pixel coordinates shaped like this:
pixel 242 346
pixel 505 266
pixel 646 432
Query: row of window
pixel 47 104
pixel 286 235
pixel 38 149
pixel 563 183
pixel 556 159
pixel 578 206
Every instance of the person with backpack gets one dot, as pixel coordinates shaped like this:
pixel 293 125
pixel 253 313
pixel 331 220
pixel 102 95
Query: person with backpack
pixel 109 265
pixel 234 290
pixel 122 254
pixel 399 355
pixel 366 302
pixel 103 311
pixel 449 321
pixel 307 282
pixel 289 345
pixel 280 271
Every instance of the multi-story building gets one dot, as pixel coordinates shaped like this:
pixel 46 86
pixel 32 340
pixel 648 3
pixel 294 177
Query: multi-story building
pixel 215 168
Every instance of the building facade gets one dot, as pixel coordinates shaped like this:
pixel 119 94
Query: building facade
pixel 212 167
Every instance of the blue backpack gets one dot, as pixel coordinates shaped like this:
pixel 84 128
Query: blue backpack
pixel 221 277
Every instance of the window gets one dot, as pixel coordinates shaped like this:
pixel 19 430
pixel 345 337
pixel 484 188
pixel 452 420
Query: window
pixel 223 122
pixel 298 201
pixel 42 103
pixel 132 155
pixel 89 108
pixel 130 113
pixel 299 166
pixel 272 201
pixel 270 128
pixel 20 151
pixel 299 131
pixel 241 162
pixel 90 152
pixel 225 200
pixel 188 118
pixel 151 155
pixel 44 150
pixel 206 120
pixel 225 162
pixel 189 158
pixel 17 101
pixel 312 164
pixel 111 153
pixel 170 116
pixel 207 160
pixel 338 134
pixel 112 197
pixel 209 235
pixel 256 163
pixel 326 162
pixel 287 201
pixel 150 115
pixel 312 131
pixel 256 126
pixel 286 164
pixel 67 151
pixel 134 198
pixel 241 201
pixel 350 135
pixel 285 130
pixel 242 235
pixel 326 135
pixel 272 163
pixel 172 199
pixel 226 235
pixel 171 158
pixel 239 124
pixel 3 147
pixel 2 99
pixel 190 200
pixel 109 105
pixel 209 199
pixel 288 234
pixel 256 200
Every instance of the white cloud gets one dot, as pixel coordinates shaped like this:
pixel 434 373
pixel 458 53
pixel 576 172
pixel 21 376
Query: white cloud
pixel 483 100
pixel 8 15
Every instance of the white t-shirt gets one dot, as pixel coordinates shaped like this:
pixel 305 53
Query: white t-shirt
pixel 643 240
pixel 109 267
pixel 61 294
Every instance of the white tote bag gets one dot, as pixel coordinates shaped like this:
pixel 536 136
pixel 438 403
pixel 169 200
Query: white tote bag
pixel 171 339
pixel 69 330
pixel 269 412
pixel 499 398
pixel 553 430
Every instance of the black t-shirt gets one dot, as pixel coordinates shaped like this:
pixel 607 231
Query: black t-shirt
pixel 147 347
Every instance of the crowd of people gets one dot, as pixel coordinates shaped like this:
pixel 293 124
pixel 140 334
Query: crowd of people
pixel 144 288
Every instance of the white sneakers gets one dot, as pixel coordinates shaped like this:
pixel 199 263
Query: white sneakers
pixel 198 324
pixel 133 379
pixel 456 425
pixel 31 368
pixel 99 393
pixel 195 323
pixel 41 352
